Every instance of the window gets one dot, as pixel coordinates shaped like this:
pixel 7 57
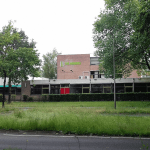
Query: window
pixel 128 87
pixel 106 88
pixel 36 89
pixel 95 74
pixel 140 87
pixel 119 87
pixel 14 90
pixel 85 88
pixel 55 89
pixel 75 88
pixel 45 89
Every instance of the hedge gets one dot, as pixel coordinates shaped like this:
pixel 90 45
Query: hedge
pixel 96 97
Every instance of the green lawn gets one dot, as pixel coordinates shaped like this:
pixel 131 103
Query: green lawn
pixel 97 118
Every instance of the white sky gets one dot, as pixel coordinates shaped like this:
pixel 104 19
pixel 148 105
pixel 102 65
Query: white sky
pixel 62 24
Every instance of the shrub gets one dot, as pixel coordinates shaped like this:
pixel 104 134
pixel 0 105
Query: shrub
pixel 30 99
pixel 13 97
pixel 25 97
pixel 45 97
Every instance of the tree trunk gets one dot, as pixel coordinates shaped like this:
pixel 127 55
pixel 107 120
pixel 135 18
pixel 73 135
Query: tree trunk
pixel 9 97
pixel 4 89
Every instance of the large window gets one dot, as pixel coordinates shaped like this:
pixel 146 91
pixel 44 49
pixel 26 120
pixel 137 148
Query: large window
pixel 14 90
pixel 36 89
pixel 96 88
pixel 40 89
pixel 85 88
pixel 55 89
pixel 119 87
pixel 140 87
pixel 107 88
pixel 101 88
pixel 75 88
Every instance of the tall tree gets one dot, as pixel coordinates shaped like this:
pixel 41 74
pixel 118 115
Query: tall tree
pixel 141 37
pixel 23 42
pixel 50 64
pixel 115 26
pixel 17 63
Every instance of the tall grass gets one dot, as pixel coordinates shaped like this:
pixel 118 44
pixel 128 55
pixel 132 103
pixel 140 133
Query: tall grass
pixel 97 118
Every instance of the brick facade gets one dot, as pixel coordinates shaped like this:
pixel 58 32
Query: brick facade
pixel 73 66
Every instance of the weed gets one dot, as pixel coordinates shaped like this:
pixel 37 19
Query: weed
pixel 144 147
pixel 19 114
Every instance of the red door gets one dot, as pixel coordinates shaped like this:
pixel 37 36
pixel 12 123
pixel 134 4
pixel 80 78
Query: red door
pixel 64 90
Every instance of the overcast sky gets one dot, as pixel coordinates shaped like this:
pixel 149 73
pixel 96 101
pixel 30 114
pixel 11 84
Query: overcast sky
pixel 62 24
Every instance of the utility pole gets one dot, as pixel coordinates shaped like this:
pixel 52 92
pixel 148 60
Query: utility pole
pixel 114 75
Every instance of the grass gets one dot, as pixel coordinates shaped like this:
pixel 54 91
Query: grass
pixel 83 118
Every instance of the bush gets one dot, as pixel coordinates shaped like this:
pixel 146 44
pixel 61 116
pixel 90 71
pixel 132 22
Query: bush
pixel 25 97
pixel 45 97
pixel 30 99
pixel 13 97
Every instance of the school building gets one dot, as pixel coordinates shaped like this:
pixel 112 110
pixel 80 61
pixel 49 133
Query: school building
pixel 77 74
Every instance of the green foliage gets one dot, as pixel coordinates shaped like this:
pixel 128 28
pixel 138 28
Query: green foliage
pixel 25 97
pixel 18 58
pixel 96 97
pixel 30 99
pixel 13 97
pixel 124 28
pixel 50 64
pixel 45 97
pixel 96 118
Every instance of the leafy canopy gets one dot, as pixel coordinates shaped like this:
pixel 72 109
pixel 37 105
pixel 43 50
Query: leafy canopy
pixel 120 27
pixel 49 67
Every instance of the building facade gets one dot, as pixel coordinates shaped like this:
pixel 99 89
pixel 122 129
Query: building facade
pixel 77 74
pixel 81 66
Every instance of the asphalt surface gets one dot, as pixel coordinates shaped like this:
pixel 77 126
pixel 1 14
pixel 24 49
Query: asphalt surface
pixel 52 141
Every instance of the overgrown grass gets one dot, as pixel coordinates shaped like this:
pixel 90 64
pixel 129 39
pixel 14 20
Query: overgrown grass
pixel 96 118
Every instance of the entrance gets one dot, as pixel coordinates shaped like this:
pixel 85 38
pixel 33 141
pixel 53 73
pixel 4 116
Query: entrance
pixel 64 89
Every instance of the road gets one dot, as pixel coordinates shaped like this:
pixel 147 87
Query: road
pixel 72 142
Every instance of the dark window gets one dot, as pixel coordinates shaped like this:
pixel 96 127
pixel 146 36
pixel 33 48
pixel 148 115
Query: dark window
pixel 140 87
pixel 86 90
pixel 86 85
pixel 64 85
pixel 1 90
pixel 55 89
pixel 45 91
pixel 120 88
pixel 75 88
pixel 18 91
pixel 13 90
pixel 45 86
pixel 128 89
pixel 96 88
pixel 37 89
pixel 128 84
pixel 107 90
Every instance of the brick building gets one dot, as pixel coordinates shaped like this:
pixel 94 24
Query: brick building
pixel 77 74
pixel 80 66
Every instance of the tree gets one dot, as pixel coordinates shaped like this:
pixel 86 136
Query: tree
pixel 117 26
pixel 16 62
pixel 141 37
pixel 16 44
pixel 50 64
